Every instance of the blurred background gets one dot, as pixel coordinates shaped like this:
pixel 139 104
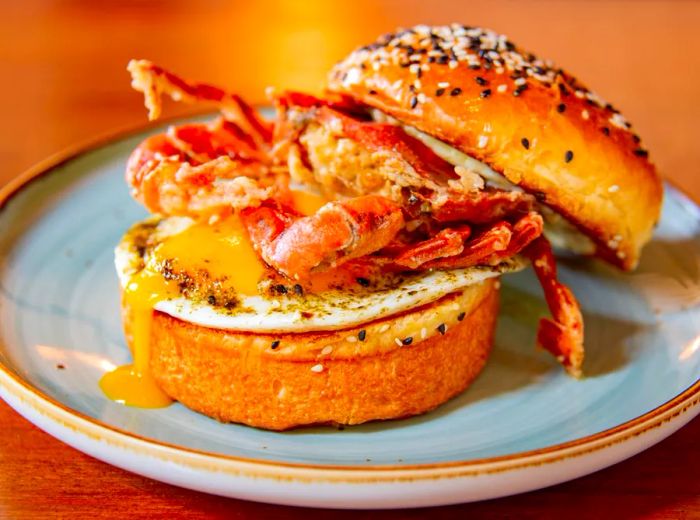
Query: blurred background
pixel 64 79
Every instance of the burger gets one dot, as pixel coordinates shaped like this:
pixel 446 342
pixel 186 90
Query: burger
pixel 340 263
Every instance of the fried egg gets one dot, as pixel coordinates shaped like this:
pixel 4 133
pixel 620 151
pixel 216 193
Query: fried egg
pixel 210 275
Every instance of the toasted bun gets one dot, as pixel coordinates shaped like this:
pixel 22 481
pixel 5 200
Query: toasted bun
pixel 329 377
pixel 537 125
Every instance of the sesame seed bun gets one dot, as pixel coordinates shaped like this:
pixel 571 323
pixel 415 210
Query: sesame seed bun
pixel 375 371
pixel 528 120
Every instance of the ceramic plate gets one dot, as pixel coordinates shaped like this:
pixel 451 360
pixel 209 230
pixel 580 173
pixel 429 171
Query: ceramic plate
pixel 523 425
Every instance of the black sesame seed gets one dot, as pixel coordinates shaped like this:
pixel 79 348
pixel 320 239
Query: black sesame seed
pixel 405 64
pixel 568 156
pixel 519 90
pixel 486 93
pixel 564 91
pixel 407 341
pixel 275 344
pixel 431 59
pixel 455 91
pixel 639 152
pixel 372 92
pixel 364 282
pixel 61 366
pixel 442 328
pixel 461 316
pixel 414 101
pixel 211 299
pixel 442 60
pixel 298 289
pixel 281 289
pixel 439 92
pixel 474 66
pixel 362 335
pixel 412 88
pixel 605 130
pixel 561 108
pixel 525 142
pixel 419 73
pixel 481 81
pixel 636 138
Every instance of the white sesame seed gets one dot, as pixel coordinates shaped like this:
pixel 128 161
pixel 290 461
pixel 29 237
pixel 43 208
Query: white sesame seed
pixel 423 333
pixel 621 255
pixel 414 68
pixel 520 81
pixel 497 285
pixel 317 368
pixel 483 141
pixel 502 88
pixel 580 94
pixel 452 64
pixel 421 97
pixel 326 350
pixel 384 327
pixel 585 115
pixel 614 188
pixel 443 84
pixel 612 244
pixel 351 339
pixel 398 342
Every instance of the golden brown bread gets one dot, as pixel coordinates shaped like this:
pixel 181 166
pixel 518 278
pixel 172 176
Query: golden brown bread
pixel 532 122
pixel 325 377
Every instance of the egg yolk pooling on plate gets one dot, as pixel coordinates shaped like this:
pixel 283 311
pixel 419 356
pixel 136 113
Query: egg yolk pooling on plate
pixel 224 251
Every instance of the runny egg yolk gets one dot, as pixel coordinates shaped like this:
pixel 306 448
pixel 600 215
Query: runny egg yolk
pixel 224 251
pixel 307 202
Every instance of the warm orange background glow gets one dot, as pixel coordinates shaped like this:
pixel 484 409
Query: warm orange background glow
pixel 64 78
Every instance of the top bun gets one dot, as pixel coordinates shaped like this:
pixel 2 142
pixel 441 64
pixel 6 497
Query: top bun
pixel 527 119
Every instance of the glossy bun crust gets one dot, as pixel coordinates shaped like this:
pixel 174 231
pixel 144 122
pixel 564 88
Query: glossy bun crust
pixel 238 377
pixel 532 122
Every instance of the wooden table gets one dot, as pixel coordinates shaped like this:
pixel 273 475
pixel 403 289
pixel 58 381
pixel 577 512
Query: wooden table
pixel 63 80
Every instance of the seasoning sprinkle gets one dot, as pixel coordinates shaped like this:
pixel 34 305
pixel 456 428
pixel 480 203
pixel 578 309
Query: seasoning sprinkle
pixel 605 130
pixel 275 344
pixel 525 142
pixel 362 335
pixel 442 328
pixel 568 156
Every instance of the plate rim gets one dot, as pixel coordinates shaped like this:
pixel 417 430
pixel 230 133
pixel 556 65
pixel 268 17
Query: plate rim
pixel 24 391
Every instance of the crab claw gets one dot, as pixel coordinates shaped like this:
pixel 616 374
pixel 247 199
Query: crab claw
pixel 336 233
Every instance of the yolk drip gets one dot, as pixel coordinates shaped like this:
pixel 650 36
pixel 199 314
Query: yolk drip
pixel 224 250
pixel 133 384
pixel 306 202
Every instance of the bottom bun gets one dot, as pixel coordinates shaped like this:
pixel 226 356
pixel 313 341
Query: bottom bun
pixel 327 377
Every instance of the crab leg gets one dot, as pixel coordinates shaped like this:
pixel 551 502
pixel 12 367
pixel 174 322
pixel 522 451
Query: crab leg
pixel 154 81
pixel 563 334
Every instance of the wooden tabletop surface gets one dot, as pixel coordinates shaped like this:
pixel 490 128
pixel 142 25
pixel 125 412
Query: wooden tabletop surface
pixel 63 81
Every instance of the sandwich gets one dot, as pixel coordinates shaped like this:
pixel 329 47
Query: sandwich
pixel 341 262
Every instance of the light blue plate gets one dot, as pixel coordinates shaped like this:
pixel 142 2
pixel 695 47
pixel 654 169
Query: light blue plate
pixel 59 306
